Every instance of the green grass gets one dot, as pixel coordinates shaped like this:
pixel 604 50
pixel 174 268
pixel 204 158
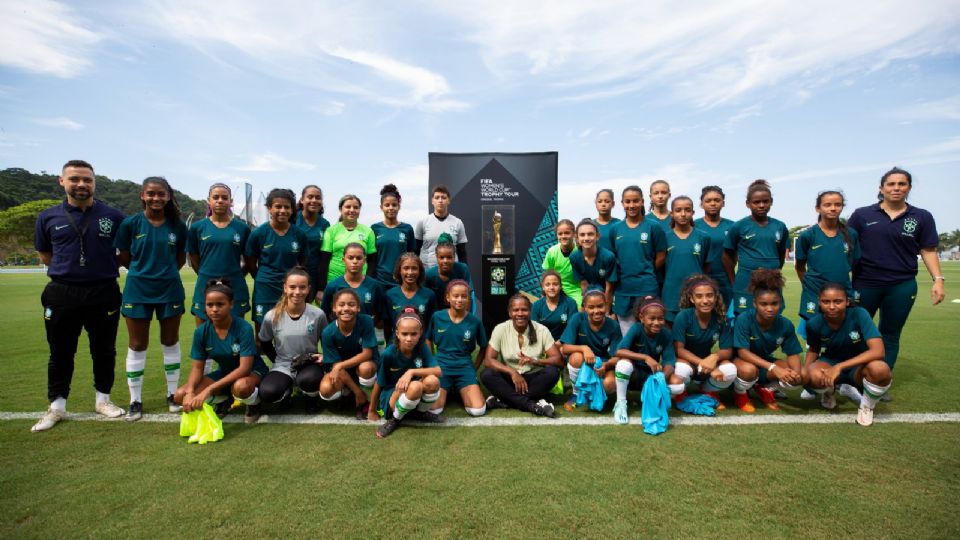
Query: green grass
pixel 117 479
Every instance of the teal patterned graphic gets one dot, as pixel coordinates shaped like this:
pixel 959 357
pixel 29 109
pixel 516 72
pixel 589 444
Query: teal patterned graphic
pixel 528 278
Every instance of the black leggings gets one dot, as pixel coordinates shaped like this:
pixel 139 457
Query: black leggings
pixel 308 378
pixel 275 387
pixel 539 384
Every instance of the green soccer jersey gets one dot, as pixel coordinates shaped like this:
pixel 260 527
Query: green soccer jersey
pixel 153 276
pixel 455 342
pixel 275 256
pixel 369 291
pixel 717 236
pixel 828 259
pixel 747 334
pixel 658 346
pixel 845 342
pixel 699 340
pixel 685 257
pixel 391 243
pixel 757 246
pixel 336 239
pixel 393 364
pixel 602 342
pixel 337 346
pixel 556 260
pixel 219 248
pixel 424 301
pixel 225 352
pixel 556 320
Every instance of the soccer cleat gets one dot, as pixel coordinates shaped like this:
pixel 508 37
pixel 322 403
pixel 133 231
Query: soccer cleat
pixel 49 419
pixel 779 394
pixel 864 416
pixel 362 410
pixel 426 417
pixel 850 393
pixel 571 403
pixel 716 396
pixel 543 408
pixel 828 400
pixel 135 412
pixel 620 411
pixel 743 402
pixel 108 409
pixel 493 402
pixel 767 397
pixel 252 414
pixel 172 405
pixel 807 395
pixel 223 408
pixel 388 427
pixel 311 404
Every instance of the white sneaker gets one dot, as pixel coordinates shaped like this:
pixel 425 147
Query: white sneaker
pixel 108 409
pixel 807 395
pixel 850 393
pixel 864 416
pixel 49 419
pixel 620 412
pixel 548 408
pixel 172 405
pixel 828 400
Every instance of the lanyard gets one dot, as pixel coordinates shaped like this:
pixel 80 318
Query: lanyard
pixel 80 232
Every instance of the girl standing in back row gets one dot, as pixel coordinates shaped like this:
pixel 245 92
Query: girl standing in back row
pixel 640 247
pixel 605 221
pixel 394 237
pixel 712 200
pixel 309 219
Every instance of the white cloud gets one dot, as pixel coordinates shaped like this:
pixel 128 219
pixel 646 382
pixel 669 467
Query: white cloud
pixel 330 108
pixel 942 109
pixel 272 162
pixel 738 117
pixel 61 122
pixel 949 146
pixel 45 37
pixel 706 54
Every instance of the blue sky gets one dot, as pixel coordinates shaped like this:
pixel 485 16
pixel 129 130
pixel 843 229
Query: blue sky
pixel 350 95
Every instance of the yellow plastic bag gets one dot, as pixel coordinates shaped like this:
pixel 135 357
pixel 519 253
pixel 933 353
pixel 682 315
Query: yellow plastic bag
pixel 201 426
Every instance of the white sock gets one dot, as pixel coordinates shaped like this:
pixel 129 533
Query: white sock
pixel 741 386
pixel 479 411
pixel 574 373
pixel 59 404
pixel 439 410
pixel 102 398
pixel 403 406
pixel 676 389
pixel 623 371
pixel 171 366
pixel 252 399
pixel 311 394
pixel 367 383
pixel 136 362
pixel 427 401
pixel 334 397
pixel 872 393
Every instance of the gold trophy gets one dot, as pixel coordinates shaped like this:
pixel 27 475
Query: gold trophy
pixel 497 223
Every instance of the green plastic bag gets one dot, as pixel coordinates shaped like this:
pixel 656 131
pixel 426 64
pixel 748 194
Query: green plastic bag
pixel 557 389
pixel 201 426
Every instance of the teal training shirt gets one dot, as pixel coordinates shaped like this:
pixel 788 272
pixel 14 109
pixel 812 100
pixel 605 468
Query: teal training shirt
pixel 424 301
pixel 828 259
pixel 598 274
pixel 605 240
pixel 602 342
pixel 393 364
pixel 685 257
pixel 717 236
pixel 697 340
pixel 455 342
pixel 845 342
pixel 369 291
pixel 747 334
pixel 756 247
pixel 556 320
pixel 658 346
pixel 219 249
pixel 275 256
pixel 662 223
pixel 391 243
pixel 438 285
pixel 314 239
pixel 636 250
pixel 337 346
pixel 153 276
pixel 228 351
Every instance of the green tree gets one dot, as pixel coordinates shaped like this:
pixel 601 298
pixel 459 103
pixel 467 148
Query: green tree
pixel 16 230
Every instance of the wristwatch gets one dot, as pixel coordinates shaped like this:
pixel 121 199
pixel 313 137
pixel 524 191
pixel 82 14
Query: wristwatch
pixel 939 278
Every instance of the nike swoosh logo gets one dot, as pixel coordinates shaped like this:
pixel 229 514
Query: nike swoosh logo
pixel 209 348
pixel 60 227
pixel 111 312
pixel 752 338
pixel 670 248
pixel 267 246
pixel 748 236
pixel 206 237
pixel 869 223
pixel 176 306
pixel 394 369
pixel 816 247
pixel 139 236
pixel 619 237
pixel 441 330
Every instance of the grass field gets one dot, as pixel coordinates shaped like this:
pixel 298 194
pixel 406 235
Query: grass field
pixel 115 479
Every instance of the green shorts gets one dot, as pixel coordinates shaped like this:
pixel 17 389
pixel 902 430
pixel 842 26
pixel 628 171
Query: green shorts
pixel 458 378
pixel 147 311
pixel 260 369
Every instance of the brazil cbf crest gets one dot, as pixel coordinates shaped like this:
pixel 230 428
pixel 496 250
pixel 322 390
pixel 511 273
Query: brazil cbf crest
pixel 235 348
pixel 696 248
pixel 422 309
pixel 259 310
pixel 644 236
pixel 811 307
pixel 777 236
pixel 311 327
pixel 602 272
pixel 236 239
pixel 418 363
pixel 854 336
pixel 716 336
pixel 780 341
pixel 367 297
pixel 743 301
pixel 47 313
pixel 106 225
pixel 909 225
pixel 467 335
pixel 172 238
pixel 402 238
pixel 295 246
pixel 563 317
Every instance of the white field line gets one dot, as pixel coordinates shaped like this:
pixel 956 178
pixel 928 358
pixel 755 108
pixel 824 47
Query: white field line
pixel 493 421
